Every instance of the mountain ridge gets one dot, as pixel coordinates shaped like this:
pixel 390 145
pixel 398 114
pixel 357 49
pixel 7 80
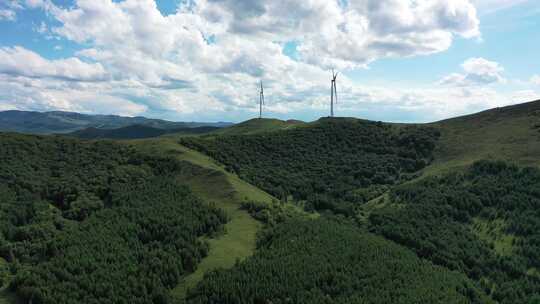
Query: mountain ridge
pixel 66 122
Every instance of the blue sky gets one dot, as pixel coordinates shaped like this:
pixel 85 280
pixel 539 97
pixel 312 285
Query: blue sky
pixel 404 61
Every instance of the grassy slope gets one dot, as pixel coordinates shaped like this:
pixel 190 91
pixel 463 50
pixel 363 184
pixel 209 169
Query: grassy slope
pixel 507 133
pixel 213 184
pixel 254 126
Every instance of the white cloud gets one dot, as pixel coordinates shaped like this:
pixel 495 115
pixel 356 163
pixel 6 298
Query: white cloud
pixel 207 58
pixel 478 71
pixel 350 35
pixel 7 14
pixel 19 61
pixel 45 94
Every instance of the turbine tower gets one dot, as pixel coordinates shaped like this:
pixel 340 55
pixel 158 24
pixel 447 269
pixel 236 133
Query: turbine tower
pixel 261 101
pixel 333 93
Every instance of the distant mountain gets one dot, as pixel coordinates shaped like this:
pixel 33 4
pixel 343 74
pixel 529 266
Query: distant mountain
pixel 67 122
pixel 136 132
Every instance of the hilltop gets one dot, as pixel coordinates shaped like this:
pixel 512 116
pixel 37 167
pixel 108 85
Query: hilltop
pixel 509 133
pixel 259 125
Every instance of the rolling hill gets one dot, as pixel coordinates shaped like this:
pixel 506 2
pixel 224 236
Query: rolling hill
pixel 138 132
pixel 66 122
pixel 256 125
pixel 340 210
pixel 510 133
pixel 455 192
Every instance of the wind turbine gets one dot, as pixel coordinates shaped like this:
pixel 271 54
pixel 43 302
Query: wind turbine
pixel 261 101
pixel 333 93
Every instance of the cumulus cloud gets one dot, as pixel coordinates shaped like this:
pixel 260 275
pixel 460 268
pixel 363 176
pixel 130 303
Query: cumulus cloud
pixel 19 61
pixel 208 57
pixel 478 71
pixel 350 35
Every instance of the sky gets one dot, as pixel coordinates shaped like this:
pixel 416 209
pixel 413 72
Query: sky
pixel 202 60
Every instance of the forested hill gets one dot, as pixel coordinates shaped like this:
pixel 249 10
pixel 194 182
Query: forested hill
pixel 330 261
pixel 366 212
pixel 445 191
pixel 96 222
pixel 484 222
pixel 331 160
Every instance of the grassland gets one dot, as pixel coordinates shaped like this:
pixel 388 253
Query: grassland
pixel 254 126
pixel 212 183
pixel 493 233
pixel 510 133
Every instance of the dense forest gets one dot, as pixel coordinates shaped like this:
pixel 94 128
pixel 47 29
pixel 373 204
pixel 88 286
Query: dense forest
pixel 96 222
pixel 484 222
pixel 99 222
pixel 325 163
pixel 330 260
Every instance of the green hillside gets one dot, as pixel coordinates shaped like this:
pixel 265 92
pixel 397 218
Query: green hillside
pixel 329 261
pixel 211 182
pixel 73 214
pixel 483 222
pixel 339 210
pixel 510 133
pixel 478 222
pixel 256 125
pixel 329 163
